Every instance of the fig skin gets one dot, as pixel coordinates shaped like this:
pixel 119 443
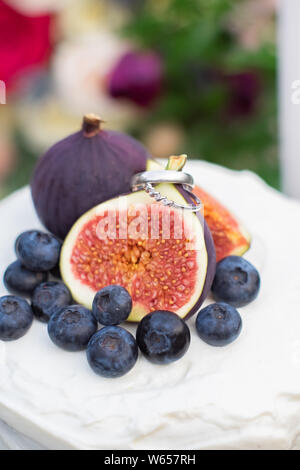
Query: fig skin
pixel 83 170
pixel 211 257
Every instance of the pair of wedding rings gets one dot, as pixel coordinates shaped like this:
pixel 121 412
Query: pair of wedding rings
pixel 148 179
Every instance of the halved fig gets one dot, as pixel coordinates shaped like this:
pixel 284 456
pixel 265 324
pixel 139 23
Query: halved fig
pixel 163 256
pixel 229 235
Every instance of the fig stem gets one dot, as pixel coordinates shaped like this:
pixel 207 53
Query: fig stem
pixel 176 162
pixel 91 125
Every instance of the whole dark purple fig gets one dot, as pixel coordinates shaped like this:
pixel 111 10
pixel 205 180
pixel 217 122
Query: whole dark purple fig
pixel 83 170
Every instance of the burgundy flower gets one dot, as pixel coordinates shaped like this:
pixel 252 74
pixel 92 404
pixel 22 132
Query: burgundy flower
pixel 138 77
pixel 24 43
pixel 244 88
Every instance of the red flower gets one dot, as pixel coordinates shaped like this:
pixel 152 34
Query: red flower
pixel 244 89
pixel 24 43
pixel 137 77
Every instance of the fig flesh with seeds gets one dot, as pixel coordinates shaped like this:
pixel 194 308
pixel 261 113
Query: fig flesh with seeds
pixel 163 256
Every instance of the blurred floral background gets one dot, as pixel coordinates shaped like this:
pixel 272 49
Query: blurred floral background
pixel 192 76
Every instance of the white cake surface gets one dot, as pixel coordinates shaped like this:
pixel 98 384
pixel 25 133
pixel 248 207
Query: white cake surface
pixel 243 396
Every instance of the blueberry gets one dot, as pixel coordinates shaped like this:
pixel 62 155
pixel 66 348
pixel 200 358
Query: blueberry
pixel 236 281
pixel 72 328
pixel 112 352
pixel 20 281
pixel 15 317
pixel 38 251
pixel 163 337
pixel 48 298
pixel 112 305
pixel 218 324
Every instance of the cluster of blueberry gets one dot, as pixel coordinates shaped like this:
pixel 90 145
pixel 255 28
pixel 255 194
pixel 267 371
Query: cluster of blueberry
pixel 38 255
pixel 162 336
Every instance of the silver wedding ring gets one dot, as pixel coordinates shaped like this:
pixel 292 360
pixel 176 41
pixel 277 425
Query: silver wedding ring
pixel 148 179
pixel 161 176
